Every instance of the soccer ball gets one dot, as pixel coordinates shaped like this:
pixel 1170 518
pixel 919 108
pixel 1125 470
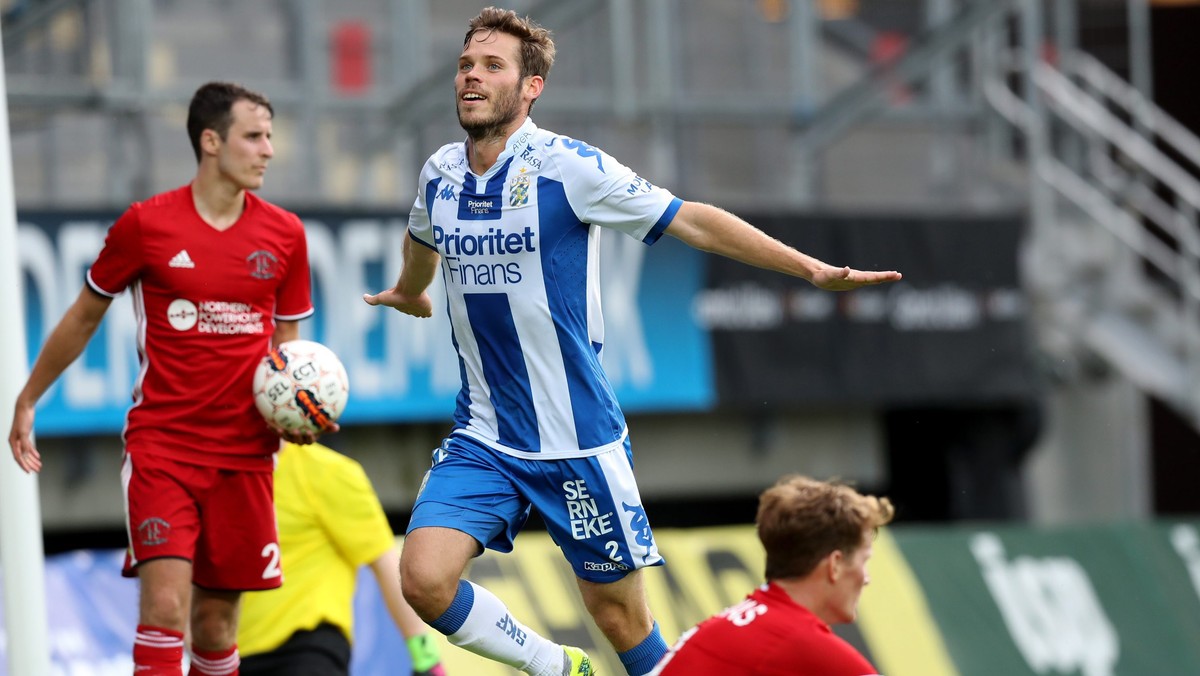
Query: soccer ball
pixel 301 385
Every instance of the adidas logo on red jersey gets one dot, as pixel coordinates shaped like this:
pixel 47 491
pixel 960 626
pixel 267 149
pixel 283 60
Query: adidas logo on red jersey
pixel 182 260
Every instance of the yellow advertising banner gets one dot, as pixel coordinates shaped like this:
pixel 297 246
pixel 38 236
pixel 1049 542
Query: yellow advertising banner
pixel 708 569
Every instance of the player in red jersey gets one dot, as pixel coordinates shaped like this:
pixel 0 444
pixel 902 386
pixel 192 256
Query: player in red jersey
pixel 217 276
pixel 818 538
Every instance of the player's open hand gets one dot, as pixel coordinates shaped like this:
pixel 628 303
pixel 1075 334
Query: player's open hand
pixel 846 278
pixel 20 438
pixel 417 306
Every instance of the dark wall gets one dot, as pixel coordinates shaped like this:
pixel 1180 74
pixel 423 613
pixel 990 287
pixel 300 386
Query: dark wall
pixel 1175 40
pixel 1175 462
pixel 1176 48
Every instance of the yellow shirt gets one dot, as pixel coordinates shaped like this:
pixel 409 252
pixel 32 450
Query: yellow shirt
pixel 330 523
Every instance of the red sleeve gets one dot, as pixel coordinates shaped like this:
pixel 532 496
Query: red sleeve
pixel 295 294
pixel 120 262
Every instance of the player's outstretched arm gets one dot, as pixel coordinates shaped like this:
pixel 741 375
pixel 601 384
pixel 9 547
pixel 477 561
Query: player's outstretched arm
pixel 715 230
pixel 847 278
pixel 64 345
pixel 409 295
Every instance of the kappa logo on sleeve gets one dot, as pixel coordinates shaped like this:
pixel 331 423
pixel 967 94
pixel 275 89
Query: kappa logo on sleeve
pixel 580 148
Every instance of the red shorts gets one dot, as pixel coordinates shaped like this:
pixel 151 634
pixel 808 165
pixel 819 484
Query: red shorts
pixel 221 520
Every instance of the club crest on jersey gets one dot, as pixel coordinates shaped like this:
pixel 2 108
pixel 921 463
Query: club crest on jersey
pixel 518 191
pixel 263 264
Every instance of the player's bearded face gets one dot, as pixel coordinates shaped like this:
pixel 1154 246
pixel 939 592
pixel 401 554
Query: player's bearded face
pixel 488 87
pixel 503 106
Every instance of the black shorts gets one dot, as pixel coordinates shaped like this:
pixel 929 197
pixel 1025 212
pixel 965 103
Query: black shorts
pixel 324 651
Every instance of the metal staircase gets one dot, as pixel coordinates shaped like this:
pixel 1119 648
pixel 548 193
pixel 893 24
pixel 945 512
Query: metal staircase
pixel 1114 257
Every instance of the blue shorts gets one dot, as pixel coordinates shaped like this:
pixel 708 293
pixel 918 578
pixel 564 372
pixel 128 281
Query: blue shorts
pixel 591 505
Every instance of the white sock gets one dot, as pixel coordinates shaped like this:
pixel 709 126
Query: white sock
pixel 491 631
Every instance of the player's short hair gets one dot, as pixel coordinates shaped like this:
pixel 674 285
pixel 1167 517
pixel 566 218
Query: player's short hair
pixel 801 521
pixel 212 108
pixel 537 47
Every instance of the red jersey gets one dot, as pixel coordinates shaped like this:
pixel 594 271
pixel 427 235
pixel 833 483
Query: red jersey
pixel 768 634
pixel 206 302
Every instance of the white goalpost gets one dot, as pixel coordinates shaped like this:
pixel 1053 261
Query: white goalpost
pixel 22 562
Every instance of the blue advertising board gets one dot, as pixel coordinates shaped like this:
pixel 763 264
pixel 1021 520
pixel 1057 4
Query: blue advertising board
pixel 401 369
pixel 91 611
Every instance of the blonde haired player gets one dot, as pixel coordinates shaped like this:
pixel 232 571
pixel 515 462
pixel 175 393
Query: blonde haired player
pixel 817 536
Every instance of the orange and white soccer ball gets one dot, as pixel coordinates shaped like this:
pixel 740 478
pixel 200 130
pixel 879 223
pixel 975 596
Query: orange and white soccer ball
pixel 301 385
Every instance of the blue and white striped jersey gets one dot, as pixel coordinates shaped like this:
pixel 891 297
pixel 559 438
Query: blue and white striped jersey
pixel 520 247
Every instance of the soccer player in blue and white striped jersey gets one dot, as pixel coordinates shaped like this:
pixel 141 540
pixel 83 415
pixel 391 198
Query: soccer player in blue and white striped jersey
pixel 512 217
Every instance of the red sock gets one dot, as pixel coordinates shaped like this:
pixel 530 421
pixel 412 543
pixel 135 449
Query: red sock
pixel 157 651
pixel 215 662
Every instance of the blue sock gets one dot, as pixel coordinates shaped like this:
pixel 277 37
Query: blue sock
pixel 641 658
pixel 454 617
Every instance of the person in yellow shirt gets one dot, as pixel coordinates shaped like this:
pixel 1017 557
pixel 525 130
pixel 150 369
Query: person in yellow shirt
pixel 330 522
